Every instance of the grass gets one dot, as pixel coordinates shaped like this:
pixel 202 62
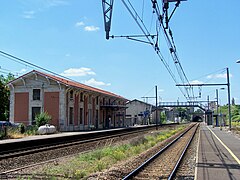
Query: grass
pixel 14 132
pixel 235 124
pixel 100 159
pixel 236 127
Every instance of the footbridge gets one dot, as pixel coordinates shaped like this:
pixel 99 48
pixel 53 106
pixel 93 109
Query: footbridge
pixel 182 104
pixel 206 115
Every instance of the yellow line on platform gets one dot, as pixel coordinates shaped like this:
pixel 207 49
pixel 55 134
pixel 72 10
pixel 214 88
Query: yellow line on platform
pixel 229 150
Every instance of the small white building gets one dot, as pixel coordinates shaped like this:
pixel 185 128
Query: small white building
pixel 138 112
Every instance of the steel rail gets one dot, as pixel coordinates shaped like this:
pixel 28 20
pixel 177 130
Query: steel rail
pixel 62 146
pixel 7 148
pixel 2 174
pixel 37 149
pixel 139 168
pixel 86 139
pixel 174 171
pixel 39 143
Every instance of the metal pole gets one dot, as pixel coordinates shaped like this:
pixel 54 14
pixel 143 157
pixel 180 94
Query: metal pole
pixel 208 101
pixel 217 106
pixel 229 104
pixel 156 109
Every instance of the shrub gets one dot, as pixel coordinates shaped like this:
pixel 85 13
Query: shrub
pixel 31 130
pixel 2 134
pixel 21 128
pixel 42 119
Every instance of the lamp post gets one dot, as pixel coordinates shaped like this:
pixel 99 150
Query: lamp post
pixel 229 103
pixel 217 123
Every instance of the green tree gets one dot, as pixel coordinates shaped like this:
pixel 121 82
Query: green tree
pixel 233 101
pixel 163 117
pixel 235 111
pixel 4 96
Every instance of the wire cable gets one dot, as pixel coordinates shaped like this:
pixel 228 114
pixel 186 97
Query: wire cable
pixel 145 31
pixel 29 64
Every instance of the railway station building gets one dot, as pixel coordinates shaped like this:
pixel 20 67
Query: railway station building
pixel 73 106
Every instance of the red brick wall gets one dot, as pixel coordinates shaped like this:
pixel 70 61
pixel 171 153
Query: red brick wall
pixel 93 112
pixel 76 109
pixel 85 110
pixel 21 105
pixel 66 121
pixel 51 106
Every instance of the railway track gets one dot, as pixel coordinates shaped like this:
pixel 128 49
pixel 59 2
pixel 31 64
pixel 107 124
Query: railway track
pixel 25 151
pixel 164 164
pixel 16 161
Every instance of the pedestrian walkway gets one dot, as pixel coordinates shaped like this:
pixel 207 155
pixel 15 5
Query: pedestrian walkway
pixel 218 155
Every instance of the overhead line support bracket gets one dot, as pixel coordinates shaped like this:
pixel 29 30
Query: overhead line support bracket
pixel 107 14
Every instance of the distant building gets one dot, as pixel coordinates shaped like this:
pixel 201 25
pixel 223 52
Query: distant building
pixel 138 112
pixel 72 105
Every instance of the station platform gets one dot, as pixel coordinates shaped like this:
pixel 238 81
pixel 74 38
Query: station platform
pixel 56 135
pixel 38 137
pixel 66 134
pixel 218 154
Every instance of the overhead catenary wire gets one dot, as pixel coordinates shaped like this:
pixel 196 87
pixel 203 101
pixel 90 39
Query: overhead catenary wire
pixel 4 72
pixel 29 64
pixel 172 49
pixel 7 72
pixel 171 44
pixel 153 43
pixel 149 91
pixel 147 33
pixel 205 75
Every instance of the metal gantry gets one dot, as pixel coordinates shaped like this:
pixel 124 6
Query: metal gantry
pixel 107 14
pixel 218 84
pixel 153 39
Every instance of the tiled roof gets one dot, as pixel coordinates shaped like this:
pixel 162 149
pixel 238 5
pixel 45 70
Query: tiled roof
pixel 72 84
pixel 129 102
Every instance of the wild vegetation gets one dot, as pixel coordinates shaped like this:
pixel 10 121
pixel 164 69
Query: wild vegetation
pixel 235 111
pixel 100 159
pixel 21 130
pixel 4 96
pixel 42 119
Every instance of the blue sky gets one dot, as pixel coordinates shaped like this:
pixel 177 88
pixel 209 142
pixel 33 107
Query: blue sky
pixel 67 37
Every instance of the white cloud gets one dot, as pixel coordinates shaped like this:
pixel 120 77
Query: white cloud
pixel 67 55
pixel 39 6
pixel 78 24
pixel 93 82
pixel 51 3
pixel 196 82
pixel 22 71
pixel 218 76
pixel 78 72
pixel 28 14
pixel 91 28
